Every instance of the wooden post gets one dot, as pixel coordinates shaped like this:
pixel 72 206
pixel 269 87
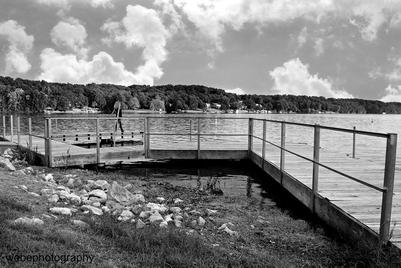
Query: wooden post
pixel 353 142
pixel 12 128
pixel 145 137
pixel 264 142
pixel 46 135
pixel 190 130
pixel 30 133
pixel 388 185
pixel 199 134
pixel 316 156
pixel 4 126
pixel 282 152
pixel 18 130
pixel 49 142
pixel 97 142
pixel 250 136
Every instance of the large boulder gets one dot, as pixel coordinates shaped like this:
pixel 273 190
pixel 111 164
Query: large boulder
pixel 100 184
pixel 93 210
pixel 123 196
pixel 125 215
pixel 157 207
pixel 6 164
pixel 61 211
pixel 156 217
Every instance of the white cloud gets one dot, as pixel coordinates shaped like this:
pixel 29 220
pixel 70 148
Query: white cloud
pixel 393 94
pixel 70 34
pixel 238 91
pixel 20 43
pixel 293 78
pixel 66 4
pixel 67 68
pixel 302 37
pixel 143 28
pixel 318 46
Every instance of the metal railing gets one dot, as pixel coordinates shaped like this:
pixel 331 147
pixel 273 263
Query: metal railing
pixel 389 166
pixel 389 169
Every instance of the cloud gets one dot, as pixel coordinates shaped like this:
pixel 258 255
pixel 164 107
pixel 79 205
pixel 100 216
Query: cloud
pixel 66 4
pixel 302 37
pixel 318 46
pixel 20 43
pixel 393 94
pixel 293 78
pixel 142 28
pixel 70 34
pixel 238 91
pixel 57 67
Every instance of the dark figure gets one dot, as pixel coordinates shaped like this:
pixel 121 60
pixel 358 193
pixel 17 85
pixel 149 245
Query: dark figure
pixel 117 109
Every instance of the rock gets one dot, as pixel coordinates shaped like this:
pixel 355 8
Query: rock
pixel 61 211
pixel 163 224
pixel 6 164
pixel 100 195
pixel 29 221
pixel 48 177
pixel 83 194
pixel 71 182
pixel 74 199
pixel 23 187
pixel 129 186
pixel 175 210
pixel 53 198
pixel 145 214
pixel 225 225
pixel 46 192
pixel 120 194
pixel 8 153
pixel 178 217
pixel 34 194
pixel 113 205
pixel 177 223
pixel 201 221
pixel 230 232
pixel 195 212
pixel 138 198
pixel 96 204
pixel 160 199
pixel 177 201
pixel 80 223
pixel 193 223
pixel 168 218
pixel 63 188
pixel 28 170
pixel 211 212
pixel 105 209
pixel 93 210
pixel 156 217
pixel 140 224
pixel 157 207
pixel 64 195
pixel 125 215
pixel 100 184
pixel 137 209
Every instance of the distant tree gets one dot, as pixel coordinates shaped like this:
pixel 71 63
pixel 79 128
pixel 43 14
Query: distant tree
pixel 157 104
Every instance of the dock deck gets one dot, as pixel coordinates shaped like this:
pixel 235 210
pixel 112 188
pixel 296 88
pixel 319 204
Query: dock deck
pixel 347 192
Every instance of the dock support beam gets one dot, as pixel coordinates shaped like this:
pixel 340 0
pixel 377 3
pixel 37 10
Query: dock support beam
pixel 388 186
pixel 30 134
pixel 250 136
pixel 97 142
pixel 4 126
pixel 199 134
pixel 315 172
pixel 282 152
pixel 353 142
pixel 264 143
pixel 12 128
pixel 146 137
pixel 18 130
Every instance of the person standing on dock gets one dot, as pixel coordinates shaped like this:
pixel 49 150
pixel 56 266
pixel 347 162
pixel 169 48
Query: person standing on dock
pixel 119 114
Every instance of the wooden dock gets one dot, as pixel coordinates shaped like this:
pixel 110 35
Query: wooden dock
pixel 357 195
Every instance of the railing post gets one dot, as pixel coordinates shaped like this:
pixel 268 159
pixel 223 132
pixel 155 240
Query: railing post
pixel 97 142
pixel 264 143
pixel 30 133
pixel 199 134
pixel 388 185
pixel 49 142
pixel 4 126
pixel 282 152
pixel 11 128
pixel 315 173
pixel 250 136
pixel 190 130
pixel 46 135
pixel 18 130
pixel 353 142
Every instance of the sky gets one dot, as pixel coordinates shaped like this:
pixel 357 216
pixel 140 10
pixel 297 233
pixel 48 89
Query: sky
pixel 329 48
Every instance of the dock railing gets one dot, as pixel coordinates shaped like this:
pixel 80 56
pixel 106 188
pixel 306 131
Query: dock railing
pixel 147 133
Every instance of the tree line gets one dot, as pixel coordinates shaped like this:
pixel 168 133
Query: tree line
pixel 27 96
